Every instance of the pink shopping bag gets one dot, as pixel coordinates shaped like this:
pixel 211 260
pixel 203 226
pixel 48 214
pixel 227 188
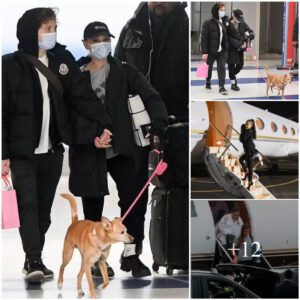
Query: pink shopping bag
pixel 202 70
pixel 10 213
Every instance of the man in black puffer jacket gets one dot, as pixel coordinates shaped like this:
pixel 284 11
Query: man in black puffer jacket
pixel 240 36
pixel 36 120
pixel 156 41
pixel 214 44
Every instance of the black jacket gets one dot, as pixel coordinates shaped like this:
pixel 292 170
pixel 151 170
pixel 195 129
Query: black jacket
pixel 87 163
pixel 243 34
pixel 246 138
pixel 210 38
pixel 235 40
pixel 22 101
pixel 167 66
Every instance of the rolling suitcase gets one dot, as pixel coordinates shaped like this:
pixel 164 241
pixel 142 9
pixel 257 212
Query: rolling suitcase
pixel 169 228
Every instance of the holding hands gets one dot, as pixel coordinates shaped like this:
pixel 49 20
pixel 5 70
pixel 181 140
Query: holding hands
pixel 104 140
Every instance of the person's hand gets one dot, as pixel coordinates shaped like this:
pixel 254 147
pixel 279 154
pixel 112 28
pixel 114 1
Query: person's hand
pixel 99 144
pixel 156 142
pixel 204 56
pixel 5 167
pixel 295 44
pixel 104 140
pixel 244 46
pixel 106 136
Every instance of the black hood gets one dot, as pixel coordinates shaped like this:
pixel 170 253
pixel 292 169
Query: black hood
pixel 27 31
pixel 215 11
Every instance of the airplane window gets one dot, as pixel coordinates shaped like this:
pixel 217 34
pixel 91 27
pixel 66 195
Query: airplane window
pixel 273 126
pixel 284 129
pixel 260 124
pixel 293 131
pixel 221 289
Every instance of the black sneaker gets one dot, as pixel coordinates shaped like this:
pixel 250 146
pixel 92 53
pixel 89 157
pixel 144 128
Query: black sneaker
pixel 207 85
pixel 47 273
pixel 235 87
pixel 34 271
pixel 134 264
pixel 97 273
pixel 223 91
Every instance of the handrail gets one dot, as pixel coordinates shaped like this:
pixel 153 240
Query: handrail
pixel 225 138
pixel 224 250
pixel 230 126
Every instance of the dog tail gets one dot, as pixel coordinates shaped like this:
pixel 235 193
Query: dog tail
pixel 73 204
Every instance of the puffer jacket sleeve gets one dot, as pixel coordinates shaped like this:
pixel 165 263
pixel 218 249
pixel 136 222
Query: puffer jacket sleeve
pixel 205 37
pixel 5 110
pixel 137 84
pixel 250 31
pixel 81 96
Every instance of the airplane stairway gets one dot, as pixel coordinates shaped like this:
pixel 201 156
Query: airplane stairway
pixel 226 170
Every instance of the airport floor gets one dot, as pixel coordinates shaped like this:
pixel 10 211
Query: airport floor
pixel 250 80
pixel 159 285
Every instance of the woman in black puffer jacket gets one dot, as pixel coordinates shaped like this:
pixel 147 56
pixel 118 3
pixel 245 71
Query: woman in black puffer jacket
pixel 240 36
pixel 248 134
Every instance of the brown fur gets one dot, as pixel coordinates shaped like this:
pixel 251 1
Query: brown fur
pixel 277 81
pixel 93 240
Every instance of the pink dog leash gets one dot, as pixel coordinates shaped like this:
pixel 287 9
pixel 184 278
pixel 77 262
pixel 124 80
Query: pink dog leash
pixel 159 170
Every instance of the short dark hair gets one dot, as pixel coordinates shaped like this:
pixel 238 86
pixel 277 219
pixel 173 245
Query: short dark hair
pixel 235 208
pixel 46 14
pixel 288 274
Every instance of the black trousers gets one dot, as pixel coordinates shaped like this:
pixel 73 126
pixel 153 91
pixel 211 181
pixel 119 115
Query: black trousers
pixel 122 170
pixel 221 58
pixel 234 69
pixel 246 160
pixel 35 181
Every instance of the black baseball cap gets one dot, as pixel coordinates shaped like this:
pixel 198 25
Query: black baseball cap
pixel 239 15
pixel 95 29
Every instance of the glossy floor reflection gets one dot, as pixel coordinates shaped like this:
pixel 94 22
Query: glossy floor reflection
pixel 250 80
pixel 159 285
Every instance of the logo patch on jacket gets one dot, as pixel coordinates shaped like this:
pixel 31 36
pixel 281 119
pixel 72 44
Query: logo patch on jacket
pixel 63 69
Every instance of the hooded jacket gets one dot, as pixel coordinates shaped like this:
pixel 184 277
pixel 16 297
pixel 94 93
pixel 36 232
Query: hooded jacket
pixel 22 101
pixel 166 66
pixel 210 35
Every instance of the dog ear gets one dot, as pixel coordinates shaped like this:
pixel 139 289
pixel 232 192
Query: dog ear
pixel 107 225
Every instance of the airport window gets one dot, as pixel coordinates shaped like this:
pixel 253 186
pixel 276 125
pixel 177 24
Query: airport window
pixel 284 129
pixel 273 126
pixel 260 124
pixel 293 131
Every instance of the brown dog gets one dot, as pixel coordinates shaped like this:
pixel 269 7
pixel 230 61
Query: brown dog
pixel 277 81
pixel 93 240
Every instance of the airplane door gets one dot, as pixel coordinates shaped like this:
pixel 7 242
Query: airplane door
pixel 220 117
pixel 202 229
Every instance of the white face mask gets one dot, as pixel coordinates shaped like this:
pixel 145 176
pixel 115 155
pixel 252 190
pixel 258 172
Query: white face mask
pixel 48 41
pixel 100 50
pixel 221 13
